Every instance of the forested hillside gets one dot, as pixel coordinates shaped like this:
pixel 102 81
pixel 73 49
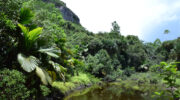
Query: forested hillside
pixel 44 54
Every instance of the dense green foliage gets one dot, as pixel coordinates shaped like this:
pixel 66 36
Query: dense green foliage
pixel 12 85
pixel 170 75
pixel 39 50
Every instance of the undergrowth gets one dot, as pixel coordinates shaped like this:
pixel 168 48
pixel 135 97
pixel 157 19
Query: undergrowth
pixel 75 81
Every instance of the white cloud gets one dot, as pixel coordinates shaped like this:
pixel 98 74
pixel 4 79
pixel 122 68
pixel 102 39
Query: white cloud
pixel 133 16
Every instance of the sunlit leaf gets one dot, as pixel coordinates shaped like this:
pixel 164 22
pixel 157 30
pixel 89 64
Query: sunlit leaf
pixel 24 29
pixel 157 93
pixel 44 76
pixel 53 52
pixel 30 37
pixel 35 33
pixel 28 63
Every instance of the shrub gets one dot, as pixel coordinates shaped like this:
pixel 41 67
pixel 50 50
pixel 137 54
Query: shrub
pixel 12 85
pixel 45 90
pixel 100 64
pixel 57 3
pixel 75 81
pixel 129 71
pixel 84 79
pixel 170 75
pixel 9 13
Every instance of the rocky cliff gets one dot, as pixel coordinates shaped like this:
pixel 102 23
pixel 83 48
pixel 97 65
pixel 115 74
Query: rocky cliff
pixel 67 14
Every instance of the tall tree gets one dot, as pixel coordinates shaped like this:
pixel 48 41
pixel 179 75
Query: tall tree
pixel 115 27
pixel 166 31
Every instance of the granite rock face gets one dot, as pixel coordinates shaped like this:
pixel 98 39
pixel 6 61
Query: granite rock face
pixel 67 14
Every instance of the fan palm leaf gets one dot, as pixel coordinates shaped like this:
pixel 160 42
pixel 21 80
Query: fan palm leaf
pixel 28 63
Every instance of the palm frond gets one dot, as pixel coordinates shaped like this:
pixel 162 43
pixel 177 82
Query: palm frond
pixel 26 15
pixel 53 52
pixel 43 75
pixel 28 63
pixel 24 29
pixel 34 34
pixel 30 36
pixel 166 31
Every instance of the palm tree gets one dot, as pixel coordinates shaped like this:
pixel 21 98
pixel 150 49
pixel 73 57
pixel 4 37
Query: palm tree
pixel 166 31
pixel 30 37
pixel 32 63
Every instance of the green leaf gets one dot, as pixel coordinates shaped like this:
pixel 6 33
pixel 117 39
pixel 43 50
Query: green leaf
pixel 30 37
pixel 28 63
pixel 26 15
pixel 24 29
pixel 157 93
pixel 53 52
pixel 34 34
pixel 163 64
pixel 43 75
pixel 60 69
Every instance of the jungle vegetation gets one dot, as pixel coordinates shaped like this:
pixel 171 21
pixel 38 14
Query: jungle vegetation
pixel 41 54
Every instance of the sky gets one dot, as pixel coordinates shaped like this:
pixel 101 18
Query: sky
pixel 146 19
